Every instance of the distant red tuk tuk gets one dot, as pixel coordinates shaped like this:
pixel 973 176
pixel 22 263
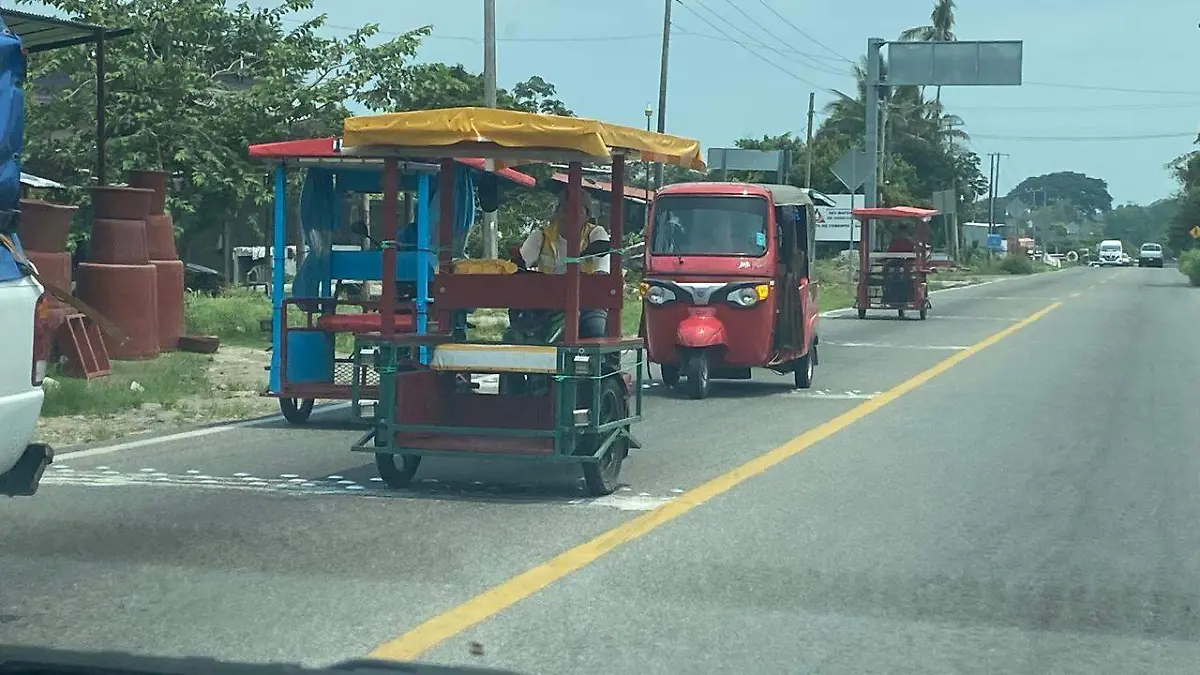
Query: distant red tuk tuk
pixel 896 279
pixel 728 283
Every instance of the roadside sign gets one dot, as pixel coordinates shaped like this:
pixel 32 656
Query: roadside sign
pixel 945 202
pixel 740 159
pixel 995 242
pixel 1195 232
pixel 960 63
pixel 852 168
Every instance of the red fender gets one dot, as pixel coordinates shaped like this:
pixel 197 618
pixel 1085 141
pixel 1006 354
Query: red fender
pixel 700 329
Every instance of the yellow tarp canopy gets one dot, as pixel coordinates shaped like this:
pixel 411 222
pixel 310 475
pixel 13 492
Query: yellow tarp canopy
pixel 509 129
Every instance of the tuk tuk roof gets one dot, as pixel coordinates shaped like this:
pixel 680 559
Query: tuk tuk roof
pixel 895 212
pixel 328 152
pixel 781 195
pixel 512 138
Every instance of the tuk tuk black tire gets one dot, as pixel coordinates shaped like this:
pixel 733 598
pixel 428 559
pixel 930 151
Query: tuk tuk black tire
pixel 397 477
pixel 296 410
pixel 804 370
pixel 601 478
pixel 670 375
pixel 697 376
pixel 862 313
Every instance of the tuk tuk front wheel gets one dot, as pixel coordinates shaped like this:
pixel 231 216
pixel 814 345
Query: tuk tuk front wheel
pixel 670 375
pixel 697 375
pixel 601 477
pixel 397 476
pixel 862 312
pixel 296 410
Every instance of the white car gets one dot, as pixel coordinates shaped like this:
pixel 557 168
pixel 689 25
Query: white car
pixel 24 357
pixel 1150 255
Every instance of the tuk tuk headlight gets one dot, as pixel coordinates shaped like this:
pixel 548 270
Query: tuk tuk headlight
pixel 749 296
pixel 657 295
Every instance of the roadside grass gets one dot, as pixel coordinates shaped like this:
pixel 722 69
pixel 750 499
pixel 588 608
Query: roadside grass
pixel 166 381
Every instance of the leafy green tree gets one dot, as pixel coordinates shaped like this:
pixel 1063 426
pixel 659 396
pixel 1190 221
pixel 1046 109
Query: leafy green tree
pixel 1089 195
pixel 939 29
pixel 194 85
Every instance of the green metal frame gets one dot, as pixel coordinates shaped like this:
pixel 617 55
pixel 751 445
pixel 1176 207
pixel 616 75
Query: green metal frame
pixel 586 365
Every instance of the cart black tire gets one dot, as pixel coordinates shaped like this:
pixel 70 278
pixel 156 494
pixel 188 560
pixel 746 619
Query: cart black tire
pixel 601 478
pixel 803 371
pixel 396 476
pixel 670 375
pixel 296 410
pixel 924 313
pixel 862 313
pixel 697 375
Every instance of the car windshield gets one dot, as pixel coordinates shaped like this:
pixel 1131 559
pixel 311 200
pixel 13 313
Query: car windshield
pixel 1151 247
pixel 710 225
pixel 1110 248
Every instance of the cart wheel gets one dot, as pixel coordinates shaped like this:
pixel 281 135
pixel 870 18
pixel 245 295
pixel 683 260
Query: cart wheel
pixel 397 477
pixel 670 375
pixel 862 312
pixel 803 371
pixel 924 312
pixel 296 410
pixel 601 477
pixel 697 375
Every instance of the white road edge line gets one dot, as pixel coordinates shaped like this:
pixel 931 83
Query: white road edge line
pixel 847 310
pixel 185 435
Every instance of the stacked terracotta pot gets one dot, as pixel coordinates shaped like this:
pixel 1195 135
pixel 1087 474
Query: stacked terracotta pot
pixel 118 279
pixel 44 230
pixel 168 268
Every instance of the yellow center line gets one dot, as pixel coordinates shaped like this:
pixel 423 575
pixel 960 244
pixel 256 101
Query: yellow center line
pixel 440 628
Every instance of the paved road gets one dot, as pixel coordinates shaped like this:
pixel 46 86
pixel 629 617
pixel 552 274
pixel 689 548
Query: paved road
pixel 1030 506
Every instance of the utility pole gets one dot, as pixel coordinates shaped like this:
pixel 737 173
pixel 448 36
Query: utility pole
pixel 995 191
pixel 490 235
pixel 662 85
pixel 871 188
pixel 808 155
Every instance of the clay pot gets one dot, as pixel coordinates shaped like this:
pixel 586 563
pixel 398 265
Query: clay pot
pixel 120 203
pixel 152 180
pixel 118 242
pixel 126 295
pixel 45 227
pixel 160 237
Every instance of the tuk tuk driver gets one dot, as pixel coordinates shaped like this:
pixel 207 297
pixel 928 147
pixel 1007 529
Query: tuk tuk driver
pixel 546 248
pixel 902 241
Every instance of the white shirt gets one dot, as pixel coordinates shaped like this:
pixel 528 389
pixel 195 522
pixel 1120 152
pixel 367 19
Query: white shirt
pixel 531 250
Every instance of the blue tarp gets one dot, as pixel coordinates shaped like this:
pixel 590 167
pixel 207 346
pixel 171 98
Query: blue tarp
pixel 12 141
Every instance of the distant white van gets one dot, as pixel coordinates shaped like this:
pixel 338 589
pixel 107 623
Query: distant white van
pixel 1111 252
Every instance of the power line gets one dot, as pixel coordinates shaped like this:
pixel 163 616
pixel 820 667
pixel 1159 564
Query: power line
pixel 753 39
pixel 760 57
pixel 766 30
pixel 1137 137
pixel 797 29
pixel 790 50
pixel 1063 85
pixel 1086 108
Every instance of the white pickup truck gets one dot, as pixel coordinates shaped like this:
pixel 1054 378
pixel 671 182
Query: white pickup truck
pixel 1150 255
pixel 25 346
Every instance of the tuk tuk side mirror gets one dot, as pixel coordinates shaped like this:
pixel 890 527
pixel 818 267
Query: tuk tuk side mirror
pixel 489 193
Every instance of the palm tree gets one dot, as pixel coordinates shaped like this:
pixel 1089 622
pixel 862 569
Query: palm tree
pixel 940 29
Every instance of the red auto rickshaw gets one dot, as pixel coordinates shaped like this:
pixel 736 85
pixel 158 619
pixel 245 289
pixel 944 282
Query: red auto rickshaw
pixel 728 283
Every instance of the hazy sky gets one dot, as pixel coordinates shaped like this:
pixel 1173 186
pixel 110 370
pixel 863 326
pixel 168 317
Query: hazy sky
pixel 1083 58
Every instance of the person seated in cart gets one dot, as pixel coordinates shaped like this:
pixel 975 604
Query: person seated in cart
pixel 902 241
pixel 546 250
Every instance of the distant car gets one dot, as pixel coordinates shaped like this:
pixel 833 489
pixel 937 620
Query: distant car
pixel 1150 255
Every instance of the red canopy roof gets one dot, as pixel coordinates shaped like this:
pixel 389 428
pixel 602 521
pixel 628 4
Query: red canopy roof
pixel 898 212
pixel 330 148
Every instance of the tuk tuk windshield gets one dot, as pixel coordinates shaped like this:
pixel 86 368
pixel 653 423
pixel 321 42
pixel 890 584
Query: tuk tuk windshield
pixel 715 225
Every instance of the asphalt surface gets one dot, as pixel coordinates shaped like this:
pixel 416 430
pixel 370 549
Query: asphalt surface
pixel 1034 508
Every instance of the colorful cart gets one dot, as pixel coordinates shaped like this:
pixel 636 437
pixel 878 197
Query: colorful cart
pixel 426 407
pixel 894 280
pixel 305 363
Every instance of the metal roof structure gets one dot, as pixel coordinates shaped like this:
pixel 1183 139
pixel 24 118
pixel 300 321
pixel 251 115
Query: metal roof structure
pixel 40 33
pixel 44 33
